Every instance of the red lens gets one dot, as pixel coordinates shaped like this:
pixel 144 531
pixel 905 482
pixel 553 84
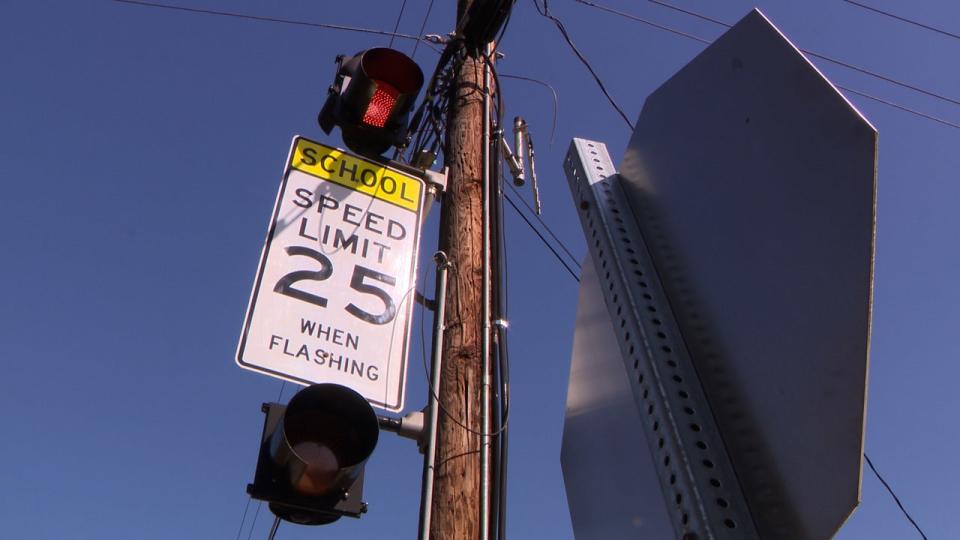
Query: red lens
pixel 382 102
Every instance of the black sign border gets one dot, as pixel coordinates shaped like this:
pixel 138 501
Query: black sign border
pixel 263 263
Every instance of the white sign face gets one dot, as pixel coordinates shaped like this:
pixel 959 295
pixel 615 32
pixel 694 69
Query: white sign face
pixel 335 289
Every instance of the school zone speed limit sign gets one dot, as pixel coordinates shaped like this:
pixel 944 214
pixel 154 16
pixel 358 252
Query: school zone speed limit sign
pixel 335 288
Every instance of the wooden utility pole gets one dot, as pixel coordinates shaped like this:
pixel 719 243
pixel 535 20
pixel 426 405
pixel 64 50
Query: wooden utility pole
pixel 456 499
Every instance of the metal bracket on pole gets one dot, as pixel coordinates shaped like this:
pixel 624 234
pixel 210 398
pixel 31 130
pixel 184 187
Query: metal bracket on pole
pixel 523 144
pixel 436 181
pixel 410 426
pixel 436 185
pixel 694 470
pixel 514 161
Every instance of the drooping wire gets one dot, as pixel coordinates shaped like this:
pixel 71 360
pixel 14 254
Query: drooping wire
pixel 269 19
pixel 428 122
pixel 692 13
pixel 904 19
pixel 850 66
pixel 426 370
pixel 553 92
pixel 894 495
pixel 441 463
pixel 563 32
pixel 396 26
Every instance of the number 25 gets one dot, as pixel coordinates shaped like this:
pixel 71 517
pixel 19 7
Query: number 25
pixel 285 286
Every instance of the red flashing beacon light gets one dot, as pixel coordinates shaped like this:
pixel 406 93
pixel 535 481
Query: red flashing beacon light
pixel 371 99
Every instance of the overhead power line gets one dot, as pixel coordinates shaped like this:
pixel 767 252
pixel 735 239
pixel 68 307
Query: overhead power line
pixel 546 227
pixel 822 57
pixel 244 517
pixel 396 26
pixel 901 107
pixel 541 237
pixel 644 21
pixel 254 522
pixel 903 19
pixel 894 495
pixel 883 77
pixel 423 25
pixel 269 19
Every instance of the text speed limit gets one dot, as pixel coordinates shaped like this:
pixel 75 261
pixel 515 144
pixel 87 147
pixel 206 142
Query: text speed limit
pixel 334 293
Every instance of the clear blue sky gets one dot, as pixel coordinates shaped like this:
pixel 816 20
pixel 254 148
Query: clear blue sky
pixel 140 153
